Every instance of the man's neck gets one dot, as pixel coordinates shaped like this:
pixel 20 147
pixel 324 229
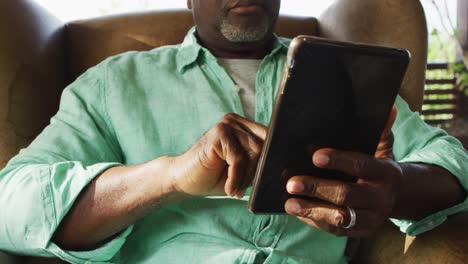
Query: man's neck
pixel 231 50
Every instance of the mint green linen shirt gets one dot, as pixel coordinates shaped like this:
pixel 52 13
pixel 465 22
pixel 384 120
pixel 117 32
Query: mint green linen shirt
pixel 138 106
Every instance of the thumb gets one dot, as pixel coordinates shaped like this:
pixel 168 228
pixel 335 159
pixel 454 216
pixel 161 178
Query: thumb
pixel 385 147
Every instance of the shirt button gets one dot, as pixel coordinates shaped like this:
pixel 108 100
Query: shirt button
pixel 237 88
pixel 265 241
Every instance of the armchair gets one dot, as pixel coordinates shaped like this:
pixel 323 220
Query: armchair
pixel 40 55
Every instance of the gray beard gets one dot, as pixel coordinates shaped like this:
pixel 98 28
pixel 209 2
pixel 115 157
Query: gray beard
pixel 237 34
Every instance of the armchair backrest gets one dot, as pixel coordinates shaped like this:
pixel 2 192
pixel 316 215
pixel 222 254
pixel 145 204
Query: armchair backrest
pixel 91 41
pixel 397 23
pixel 32 72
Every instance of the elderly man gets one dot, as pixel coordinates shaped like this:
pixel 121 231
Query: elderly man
pixel 144 164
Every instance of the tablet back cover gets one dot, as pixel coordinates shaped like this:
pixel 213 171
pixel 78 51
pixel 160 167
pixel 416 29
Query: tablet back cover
pixel 336 95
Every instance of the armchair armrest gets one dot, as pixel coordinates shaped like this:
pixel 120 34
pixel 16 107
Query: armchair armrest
pixel 6 258
pixel 9 259
pixel 445 244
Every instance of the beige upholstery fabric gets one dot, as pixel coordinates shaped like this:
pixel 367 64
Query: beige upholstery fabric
pixel 8 259
pixel 91 41
pixel 32 73
pixel 396 23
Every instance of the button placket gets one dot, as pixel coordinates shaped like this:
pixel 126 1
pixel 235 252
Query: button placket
pixel 270 71
pixel 260 95
pixel 270 234
pixel 225 82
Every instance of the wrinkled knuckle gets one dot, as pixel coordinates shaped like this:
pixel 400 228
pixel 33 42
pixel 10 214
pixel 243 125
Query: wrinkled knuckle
pixel 342 195
pixel 251 155
pixel 254 155
pixel 311 187
pixel 360 165
pixel 254 143
pixel 308 213
pixel 220 129
pixel 228 118
pixel 338 218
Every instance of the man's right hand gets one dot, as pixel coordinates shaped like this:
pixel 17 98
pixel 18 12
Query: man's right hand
pixel 223 161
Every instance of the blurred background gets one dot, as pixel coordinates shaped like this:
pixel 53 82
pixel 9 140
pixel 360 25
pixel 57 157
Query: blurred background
pixel 446 102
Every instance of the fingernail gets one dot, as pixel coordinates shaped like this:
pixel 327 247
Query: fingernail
pixel 233 193
pixel 241 195
pixel 293 207
pixel 295 187
pixel 321 160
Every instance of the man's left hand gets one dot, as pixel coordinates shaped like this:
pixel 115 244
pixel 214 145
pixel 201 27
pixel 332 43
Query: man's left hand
pixel 371 197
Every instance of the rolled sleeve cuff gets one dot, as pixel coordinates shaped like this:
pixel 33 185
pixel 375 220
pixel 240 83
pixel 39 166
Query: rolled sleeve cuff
pixel 414 228
pixel 449 155
pixel 63 192
pixel 48 192
pixel 103 254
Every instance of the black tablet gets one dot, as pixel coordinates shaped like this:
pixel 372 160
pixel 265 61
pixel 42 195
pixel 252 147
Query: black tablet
pixel 333 94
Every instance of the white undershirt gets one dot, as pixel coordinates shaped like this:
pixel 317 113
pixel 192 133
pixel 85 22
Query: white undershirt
pixel 244 74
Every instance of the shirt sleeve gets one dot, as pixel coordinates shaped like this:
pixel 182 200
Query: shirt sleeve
pixel 415 141
pixel 39 185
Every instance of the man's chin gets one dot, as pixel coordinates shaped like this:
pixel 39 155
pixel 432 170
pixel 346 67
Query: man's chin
pixel 244 35
pixel 245 31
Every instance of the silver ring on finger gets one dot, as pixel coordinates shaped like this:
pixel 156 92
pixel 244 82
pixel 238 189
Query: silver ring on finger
pixel 352 217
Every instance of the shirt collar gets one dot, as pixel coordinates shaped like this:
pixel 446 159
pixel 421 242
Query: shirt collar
pixel 190 49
